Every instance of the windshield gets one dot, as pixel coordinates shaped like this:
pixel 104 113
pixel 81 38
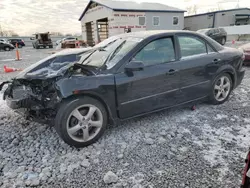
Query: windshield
pixel 107 42
pixel 110 54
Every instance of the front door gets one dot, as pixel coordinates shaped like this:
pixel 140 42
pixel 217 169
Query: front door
pixel 198 63
pixel 155 86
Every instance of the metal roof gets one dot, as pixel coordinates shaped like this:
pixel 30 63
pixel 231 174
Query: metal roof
pixel 219 11
pixel 132 6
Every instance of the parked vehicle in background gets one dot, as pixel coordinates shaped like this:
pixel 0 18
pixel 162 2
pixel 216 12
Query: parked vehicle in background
pixel 218 34
pixel 66 39
pixel 42 40
pixel 132 75
pixel 6 46
pixel 20 42
pixel 246 49
pixel 4 40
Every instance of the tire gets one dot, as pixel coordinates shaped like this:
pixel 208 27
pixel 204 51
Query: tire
pixel 20 46
pixel 223 41
pixel 50 46
pixel 225 88
pixel 7 48
pixel 65 118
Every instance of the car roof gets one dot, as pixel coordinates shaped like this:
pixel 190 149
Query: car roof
pixel 145 34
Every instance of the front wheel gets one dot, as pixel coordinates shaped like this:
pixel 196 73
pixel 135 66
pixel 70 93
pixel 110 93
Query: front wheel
pixel 81 121
pixel 221 89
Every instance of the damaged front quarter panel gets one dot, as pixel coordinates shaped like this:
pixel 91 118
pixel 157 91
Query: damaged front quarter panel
pixel 36 99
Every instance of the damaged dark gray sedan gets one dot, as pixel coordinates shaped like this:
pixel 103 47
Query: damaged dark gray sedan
pixel 135 74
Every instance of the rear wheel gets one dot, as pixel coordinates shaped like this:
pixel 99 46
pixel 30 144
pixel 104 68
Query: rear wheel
pixel 221 89
pixel 81 121
pixel 20 46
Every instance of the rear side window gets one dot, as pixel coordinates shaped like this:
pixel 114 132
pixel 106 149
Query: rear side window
pixel 156 52
pixel 190 46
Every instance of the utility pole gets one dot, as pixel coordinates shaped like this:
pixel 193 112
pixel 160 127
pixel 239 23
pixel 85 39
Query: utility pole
pixel 238 4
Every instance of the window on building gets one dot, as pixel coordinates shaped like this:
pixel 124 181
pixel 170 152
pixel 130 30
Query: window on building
pixel 156 20
pixel 175 20
pixel 142 20
pixel 157 52
pixel 191 46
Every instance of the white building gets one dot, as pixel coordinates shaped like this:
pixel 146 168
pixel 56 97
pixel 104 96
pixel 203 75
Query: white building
pixel 104 18
pixel 222 18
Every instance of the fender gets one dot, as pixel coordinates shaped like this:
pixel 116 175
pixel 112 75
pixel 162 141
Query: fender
pixel 228 69
pixel 95 87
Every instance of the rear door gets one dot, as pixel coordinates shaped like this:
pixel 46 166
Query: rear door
pixel 155 86
pixel 198 60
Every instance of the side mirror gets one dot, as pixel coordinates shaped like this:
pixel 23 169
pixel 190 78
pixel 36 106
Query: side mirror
pixel 134 66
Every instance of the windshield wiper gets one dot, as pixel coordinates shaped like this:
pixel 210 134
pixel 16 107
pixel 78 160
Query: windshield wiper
pixel 98 49
pixel 111 55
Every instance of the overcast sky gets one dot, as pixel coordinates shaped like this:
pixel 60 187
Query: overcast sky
pixel 29 16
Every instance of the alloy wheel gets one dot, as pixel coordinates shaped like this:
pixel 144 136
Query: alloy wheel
pixel 222 88
pixel 84 123
pixel 7 49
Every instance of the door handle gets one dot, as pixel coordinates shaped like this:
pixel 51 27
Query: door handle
pixel 216 61
pixel 171 72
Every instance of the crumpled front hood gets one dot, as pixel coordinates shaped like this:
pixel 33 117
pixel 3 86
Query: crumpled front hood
pixel 45 72
pixel 44 69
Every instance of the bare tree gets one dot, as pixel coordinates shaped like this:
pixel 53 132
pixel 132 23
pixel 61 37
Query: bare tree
pixel 218 8
pixel 56 33
pixel 192 10
pixel 1 31
pixel 68 34
pixel 7 33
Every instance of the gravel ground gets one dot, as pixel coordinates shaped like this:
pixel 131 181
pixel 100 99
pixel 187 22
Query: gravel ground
pixel 174 148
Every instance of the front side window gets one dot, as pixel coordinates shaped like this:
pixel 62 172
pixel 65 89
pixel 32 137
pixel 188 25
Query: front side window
pixel 175 20
pixel 156 52
pixel 156 21
pixel 142 20
pixel 190 46
pixel 209 49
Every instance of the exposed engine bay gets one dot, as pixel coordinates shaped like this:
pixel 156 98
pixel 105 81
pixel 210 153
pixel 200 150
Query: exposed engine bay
pixel 37 98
